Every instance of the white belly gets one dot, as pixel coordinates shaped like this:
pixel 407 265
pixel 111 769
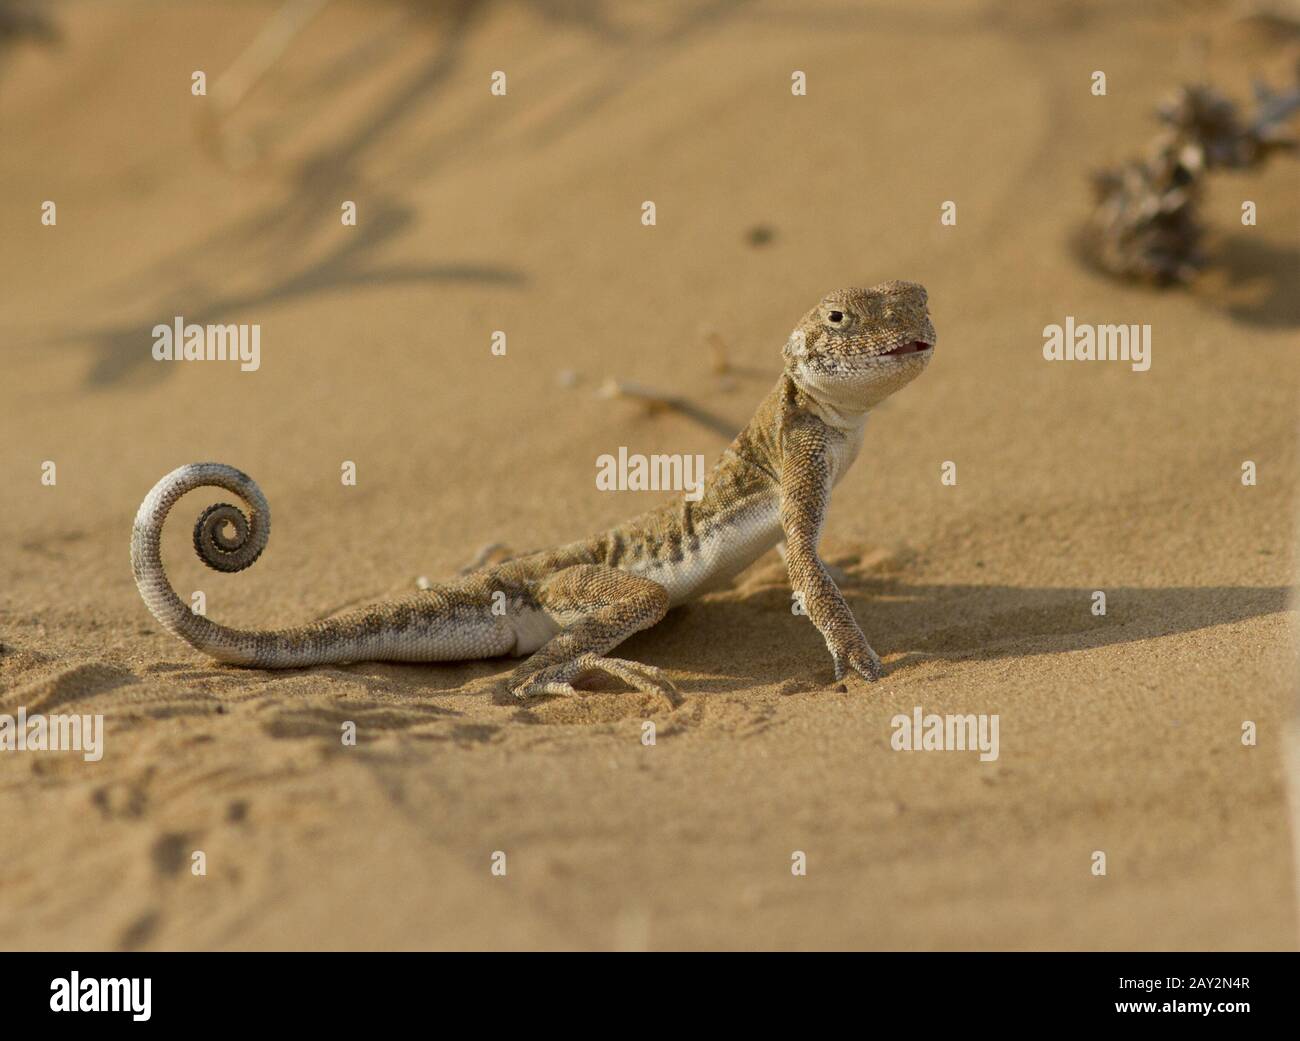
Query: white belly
pixel 718 557
pixel 533 627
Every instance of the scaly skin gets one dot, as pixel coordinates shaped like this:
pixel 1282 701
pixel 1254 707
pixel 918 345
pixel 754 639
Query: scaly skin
pixel 568 607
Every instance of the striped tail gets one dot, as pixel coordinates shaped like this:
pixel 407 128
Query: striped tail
pixel 438 625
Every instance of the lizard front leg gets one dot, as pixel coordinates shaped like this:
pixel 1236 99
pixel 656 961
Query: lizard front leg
pixel 805 497
pixel 598 607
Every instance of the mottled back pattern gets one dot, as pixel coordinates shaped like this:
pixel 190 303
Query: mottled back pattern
pixel 572 604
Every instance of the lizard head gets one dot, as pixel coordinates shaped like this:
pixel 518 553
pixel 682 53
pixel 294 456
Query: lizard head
pixel 858 346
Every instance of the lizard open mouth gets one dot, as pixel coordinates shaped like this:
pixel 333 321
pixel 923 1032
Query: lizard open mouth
pixel 915 347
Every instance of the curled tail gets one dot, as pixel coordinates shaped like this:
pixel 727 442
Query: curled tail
pixel 421 628
pixel 217 550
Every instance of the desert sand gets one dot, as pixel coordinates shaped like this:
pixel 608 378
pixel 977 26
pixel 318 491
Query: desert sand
pixel 1119 734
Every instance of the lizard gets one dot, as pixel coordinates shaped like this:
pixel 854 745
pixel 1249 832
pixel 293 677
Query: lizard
pixel 566 608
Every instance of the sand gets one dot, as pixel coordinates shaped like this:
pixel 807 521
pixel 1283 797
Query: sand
pixel 1119 734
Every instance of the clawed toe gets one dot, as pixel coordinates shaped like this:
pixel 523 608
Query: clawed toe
pixel 868 666
pixel 533 687
pixel 557 679
pixel 646 678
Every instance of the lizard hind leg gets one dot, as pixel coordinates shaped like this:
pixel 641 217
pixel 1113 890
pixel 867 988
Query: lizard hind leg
pixel 598 608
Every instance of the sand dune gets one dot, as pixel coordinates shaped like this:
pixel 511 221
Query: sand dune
pixel 1119 733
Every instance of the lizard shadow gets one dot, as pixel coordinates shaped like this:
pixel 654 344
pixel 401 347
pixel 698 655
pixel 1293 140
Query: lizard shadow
pixel 765 644
pixel 923 623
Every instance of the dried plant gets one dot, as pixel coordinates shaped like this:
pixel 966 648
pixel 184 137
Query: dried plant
pixel 1146 224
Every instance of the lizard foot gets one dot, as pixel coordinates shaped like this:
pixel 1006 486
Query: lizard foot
pixel 558 679
pixel 862 660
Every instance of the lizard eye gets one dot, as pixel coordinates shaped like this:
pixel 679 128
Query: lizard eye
pixel 835 317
